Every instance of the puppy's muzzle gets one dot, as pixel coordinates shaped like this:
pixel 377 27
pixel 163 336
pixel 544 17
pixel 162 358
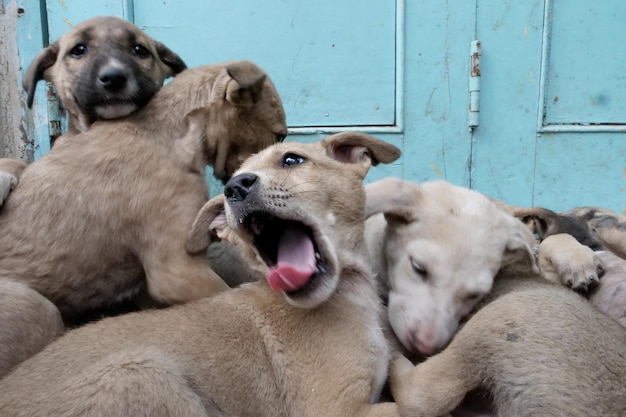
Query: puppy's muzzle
pixel 238 188
pixel 112 79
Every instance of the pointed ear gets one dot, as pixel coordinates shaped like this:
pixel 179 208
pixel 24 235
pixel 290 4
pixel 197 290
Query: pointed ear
pixel 247 82
pixel 174 62
pixel 519 246
pixel 35 71
pixel 396 198
pixel 210 224
pixel 359 149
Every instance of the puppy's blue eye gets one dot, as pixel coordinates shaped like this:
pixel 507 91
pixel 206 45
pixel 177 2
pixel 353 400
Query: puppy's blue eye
pixel 78 50
pixel 141 50
pixel 291 159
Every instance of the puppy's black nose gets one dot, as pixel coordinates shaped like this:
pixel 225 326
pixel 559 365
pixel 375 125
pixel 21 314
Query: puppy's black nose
pixel 112 78
pixel 238 188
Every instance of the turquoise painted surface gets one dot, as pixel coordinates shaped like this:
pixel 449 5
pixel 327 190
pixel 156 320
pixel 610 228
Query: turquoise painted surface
pixel 400 72
pixel 514 159
pixel 30 39
pixel 586 72
pixel 329 69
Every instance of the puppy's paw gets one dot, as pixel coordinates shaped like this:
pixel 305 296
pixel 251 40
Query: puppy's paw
pixel 400 378
pixel 8 182
pixel 563 260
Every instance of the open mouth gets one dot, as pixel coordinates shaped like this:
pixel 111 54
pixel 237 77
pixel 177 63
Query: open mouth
pixel 290 251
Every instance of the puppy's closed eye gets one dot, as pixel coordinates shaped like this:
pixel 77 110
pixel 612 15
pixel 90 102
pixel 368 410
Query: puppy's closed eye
pixel 419 268
pixel 472 296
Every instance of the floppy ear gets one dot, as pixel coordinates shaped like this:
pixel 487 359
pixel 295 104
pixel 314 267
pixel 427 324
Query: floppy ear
pixel 190 147
pixel 248 80
pixel 546 221
pixel 359 149
pixel 519 246
pixel 35 71
pixel 210 223
pixel 393 197
pixel 171 59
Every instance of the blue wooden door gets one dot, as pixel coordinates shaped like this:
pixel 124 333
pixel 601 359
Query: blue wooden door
pixel 552 92
pixel 553 103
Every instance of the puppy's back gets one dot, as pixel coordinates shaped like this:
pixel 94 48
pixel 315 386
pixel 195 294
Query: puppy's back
pixel 543 349
pixel 77 216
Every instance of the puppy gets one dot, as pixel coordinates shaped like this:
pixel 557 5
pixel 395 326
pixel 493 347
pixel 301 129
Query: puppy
pixel 103 68
pixel 429 291
pixel 30 323
pixel 562 258
pixel 536 348
pixel 10 171
pixel 306 343
pixel 576 222
pixel 593 228
pixel 105 213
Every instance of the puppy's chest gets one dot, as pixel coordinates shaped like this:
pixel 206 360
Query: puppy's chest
pixel 346 342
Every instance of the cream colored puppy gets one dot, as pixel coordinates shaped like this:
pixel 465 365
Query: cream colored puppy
pixel 430 290
pixel 537 348
pixel 306 343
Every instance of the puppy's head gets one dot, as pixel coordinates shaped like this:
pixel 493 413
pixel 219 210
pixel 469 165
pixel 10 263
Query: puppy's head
pixel 244 113
pixel 104 68
pixel 443 246
pixel 301 207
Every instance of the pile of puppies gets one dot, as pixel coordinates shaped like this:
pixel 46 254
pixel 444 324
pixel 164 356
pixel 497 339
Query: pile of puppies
pixel 117 213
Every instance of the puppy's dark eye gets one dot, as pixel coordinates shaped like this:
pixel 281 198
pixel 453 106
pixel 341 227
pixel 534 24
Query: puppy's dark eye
pixel 419 268
pixel 280 137
pixel 141 50
pixel 78 50
pixel 291 159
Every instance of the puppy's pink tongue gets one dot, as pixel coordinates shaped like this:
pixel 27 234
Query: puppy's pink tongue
pixel 295 264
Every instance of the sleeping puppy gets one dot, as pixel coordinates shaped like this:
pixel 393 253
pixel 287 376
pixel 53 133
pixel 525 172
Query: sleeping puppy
pixel 576 222
pixel 600 244
pixel 562 258
pixel 535 347
pixel 103 68
pixel 428 291
pixel 308 342
pixel 105 213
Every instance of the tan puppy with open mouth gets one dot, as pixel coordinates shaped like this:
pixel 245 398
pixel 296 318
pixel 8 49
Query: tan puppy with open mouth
pixel 106 212
pixel 103 68
pixel 309 343
pixel 537 348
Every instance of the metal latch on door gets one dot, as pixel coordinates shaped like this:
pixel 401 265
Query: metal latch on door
pixel 473 116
